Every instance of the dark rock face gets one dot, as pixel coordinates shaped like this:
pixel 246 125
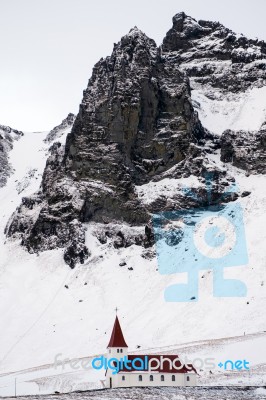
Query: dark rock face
pixel 7 137
pixel 58 131
pixel 121 237
pixel 245 150
pixel 76 252
pixel 136 124
pixel 136 112
pixel 214 55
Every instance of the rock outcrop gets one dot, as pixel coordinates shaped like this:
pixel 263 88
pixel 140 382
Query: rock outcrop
pixel 7 137
pixel 224 69
pixel 58 131
pixel 213 55
pixel 245 150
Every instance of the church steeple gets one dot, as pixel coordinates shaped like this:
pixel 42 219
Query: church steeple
pixel 117 338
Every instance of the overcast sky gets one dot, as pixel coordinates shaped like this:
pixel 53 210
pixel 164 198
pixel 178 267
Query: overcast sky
pixel 48 47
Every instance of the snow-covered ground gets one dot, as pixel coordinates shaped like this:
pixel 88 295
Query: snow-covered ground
pixel 41 317
pixel 237 111
pixel 62 377
pixel 228 393
pixel 167 187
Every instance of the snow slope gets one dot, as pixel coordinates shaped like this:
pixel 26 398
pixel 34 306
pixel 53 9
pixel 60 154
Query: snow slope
pixel 63 378
pixel 237 111
pixel 41 318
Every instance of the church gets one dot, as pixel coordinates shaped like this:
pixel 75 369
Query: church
pixel 144 370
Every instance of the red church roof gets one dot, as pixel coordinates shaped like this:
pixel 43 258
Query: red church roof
pixel 117 338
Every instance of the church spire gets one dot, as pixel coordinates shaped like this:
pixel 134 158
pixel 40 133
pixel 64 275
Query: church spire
pixel 117 337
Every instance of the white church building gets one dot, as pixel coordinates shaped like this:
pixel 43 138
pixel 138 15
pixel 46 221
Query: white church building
pixel 144 370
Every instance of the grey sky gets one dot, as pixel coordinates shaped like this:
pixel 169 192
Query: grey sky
pixel 48 47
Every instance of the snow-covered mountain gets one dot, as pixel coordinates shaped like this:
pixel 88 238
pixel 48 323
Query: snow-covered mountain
pixel 154 124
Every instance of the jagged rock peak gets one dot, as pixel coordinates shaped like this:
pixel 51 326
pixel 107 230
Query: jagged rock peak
pixel 70 117
pixel 181 21
pixel 186 29
pixel 138 35
pixel 188 26
pixel 136 32
pixel 58 130
pixel 133 43
pixel 8 132
pixel 184 23
pixel 186 32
